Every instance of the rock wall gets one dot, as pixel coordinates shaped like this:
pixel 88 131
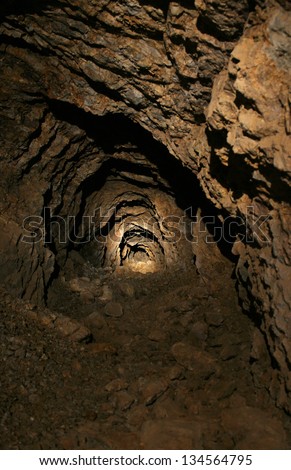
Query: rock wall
pixel 206 81
pixel 249 133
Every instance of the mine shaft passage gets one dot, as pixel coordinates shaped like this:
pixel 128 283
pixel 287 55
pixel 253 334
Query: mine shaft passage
pixel 137 228
pixel 131 207
pixel 144 224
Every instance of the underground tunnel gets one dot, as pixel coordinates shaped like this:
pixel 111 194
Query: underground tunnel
pixel 145 225
pixel 134 210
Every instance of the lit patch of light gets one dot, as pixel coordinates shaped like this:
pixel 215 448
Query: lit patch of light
pixel 143 267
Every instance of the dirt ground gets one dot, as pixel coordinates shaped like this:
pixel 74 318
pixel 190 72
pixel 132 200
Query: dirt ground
pixel 156 361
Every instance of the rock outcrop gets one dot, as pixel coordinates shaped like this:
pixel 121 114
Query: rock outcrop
pixel 185 97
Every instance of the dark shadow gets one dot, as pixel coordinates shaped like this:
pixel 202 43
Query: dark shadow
pixel 237 176
pixel 280 189
pixel 205 26
pixel 161 4
pixel 224 24
pixel 252 4
pixel 17 7
pixel 114 130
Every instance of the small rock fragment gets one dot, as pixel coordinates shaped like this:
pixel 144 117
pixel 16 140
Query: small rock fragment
pixel 79 284
pixel 171 434
pixel 158 335
pixel 176 373
pixel 199 332
pixel 116 385
pixel 201 363
pixel 96 320
pixel 214 318
pixel 124 400
pixel 99 348
pixel 152 390
pixel 113 309
pixel 106 294
pixel 126 289
pixel 72 329
pixel 87 296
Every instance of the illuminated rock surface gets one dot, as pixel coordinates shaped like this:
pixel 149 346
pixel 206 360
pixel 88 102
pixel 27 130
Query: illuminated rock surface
pixel 145 191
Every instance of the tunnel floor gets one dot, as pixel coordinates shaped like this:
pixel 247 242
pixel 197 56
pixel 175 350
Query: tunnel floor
pixel 161 361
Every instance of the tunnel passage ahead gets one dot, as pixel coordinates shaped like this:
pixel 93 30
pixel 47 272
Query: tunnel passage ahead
pixel 191 75
pixel 136 228
pixel 136 198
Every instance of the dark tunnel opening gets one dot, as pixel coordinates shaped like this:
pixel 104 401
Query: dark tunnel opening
pixel 119 138
pixel 144 225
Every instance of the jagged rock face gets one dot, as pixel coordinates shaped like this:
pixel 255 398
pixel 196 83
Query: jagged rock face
pixel 249 127
pixel 125 105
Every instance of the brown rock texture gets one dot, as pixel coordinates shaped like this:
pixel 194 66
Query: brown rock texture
pixel 206 83
pixel 118 389
pixel 249 131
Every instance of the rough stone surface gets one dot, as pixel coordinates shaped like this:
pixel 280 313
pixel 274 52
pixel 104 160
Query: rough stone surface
pixel 126 391
pixel 113 309
pixel 122 106
pixel 194 359
pixel 249 131
pixel 170 434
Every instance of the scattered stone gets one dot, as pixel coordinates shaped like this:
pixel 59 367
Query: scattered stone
pixel 76 257
pixel 113 309
pixel 79 284
pixel 72 329
pixel 176 373
pixel 96 320
pixel 97 348
pixel 86 288
pixel 182 306
pixel 258 350
pixel 116 385
pixel 124 400
pixel 229 351
pixel 252 428
pixel 158 335
pixel 87 296
pixel 200 362
pixel 199 332
pixel 137 415
pixel 152 390
pixel 186 319
pixel 106 408
pixel 168 408
pixel 46 317
pixel 106 294
pixel 222 389
pixel 100 436
pixel 161 410
pixel 90 415
pixel 171 434
pixel 126 289
pixel 214 317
